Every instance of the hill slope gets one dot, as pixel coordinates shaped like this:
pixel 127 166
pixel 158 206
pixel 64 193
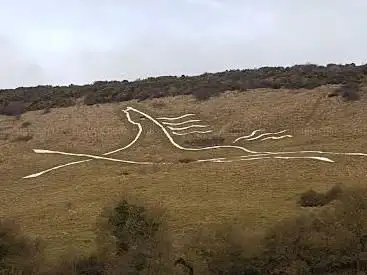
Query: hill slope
pixel 62 205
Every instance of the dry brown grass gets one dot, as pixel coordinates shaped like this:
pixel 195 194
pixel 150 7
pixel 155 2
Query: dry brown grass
pixel 62 206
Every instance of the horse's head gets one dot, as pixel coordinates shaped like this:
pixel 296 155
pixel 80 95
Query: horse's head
pixel 134 116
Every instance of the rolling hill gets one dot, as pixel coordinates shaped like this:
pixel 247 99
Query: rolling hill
pixel 257 191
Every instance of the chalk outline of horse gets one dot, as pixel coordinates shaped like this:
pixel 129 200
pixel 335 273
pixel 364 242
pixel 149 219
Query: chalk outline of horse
pixel 253 155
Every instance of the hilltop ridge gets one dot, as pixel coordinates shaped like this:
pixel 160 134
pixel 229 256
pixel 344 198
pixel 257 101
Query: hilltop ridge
pixel 204 86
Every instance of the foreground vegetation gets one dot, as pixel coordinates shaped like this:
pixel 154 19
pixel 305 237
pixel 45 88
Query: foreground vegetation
pixel 132 240
pixel 17 101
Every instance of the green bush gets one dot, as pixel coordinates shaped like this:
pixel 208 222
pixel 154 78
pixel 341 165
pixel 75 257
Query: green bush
pixel 132 239
pixel 130 225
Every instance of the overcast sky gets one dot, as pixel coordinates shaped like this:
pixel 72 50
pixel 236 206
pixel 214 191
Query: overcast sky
pixel 80 41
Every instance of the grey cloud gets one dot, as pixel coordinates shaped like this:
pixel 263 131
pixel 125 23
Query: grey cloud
pixel 16 69
pixel 120 40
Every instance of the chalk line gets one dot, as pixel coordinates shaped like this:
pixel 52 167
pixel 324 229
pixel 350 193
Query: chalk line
pixel 222 160
pixel 181 123
pixel 173 118
pixel 179 146
pixel 42 151
pixel 187 127
pixel 314 152
pixel 316 158
pixel 231 146
pixel 257 137
pixel 256 158
pixel 277 137
pixel 265 134
pixel 87 160
pixel 192 132
pixel 209 160
pixel 250 135
pixel 54 168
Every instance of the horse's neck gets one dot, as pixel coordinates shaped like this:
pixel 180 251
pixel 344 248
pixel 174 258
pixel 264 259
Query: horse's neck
pixel 153 131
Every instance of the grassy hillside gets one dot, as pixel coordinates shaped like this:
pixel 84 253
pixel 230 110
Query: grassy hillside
pixel 62 206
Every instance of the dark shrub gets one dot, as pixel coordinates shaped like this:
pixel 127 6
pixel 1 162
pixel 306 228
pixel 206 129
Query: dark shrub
pixel 349 91
pixel 90 265
pixel 186 266
pixel 128 242
pixel 350 95
pixel 186 160
pixel 201 95
pixel 4 136
pixel 131 225
pixel 132 240
pixel 24 138
pixel 334 193
pixel 91 99
pixel 16 251
pixel 312 198
pixel 332 240
pixel 12 108
pixel 327 242
pixel 224 251
pixel 334 93
pixel 46 110
pixel 25 124
pixel 205 93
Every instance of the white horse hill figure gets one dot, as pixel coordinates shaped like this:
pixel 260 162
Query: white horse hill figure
pixel 170 127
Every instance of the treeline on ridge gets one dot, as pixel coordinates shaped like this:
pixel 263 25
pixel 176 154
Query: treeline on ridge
pixel 204 86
